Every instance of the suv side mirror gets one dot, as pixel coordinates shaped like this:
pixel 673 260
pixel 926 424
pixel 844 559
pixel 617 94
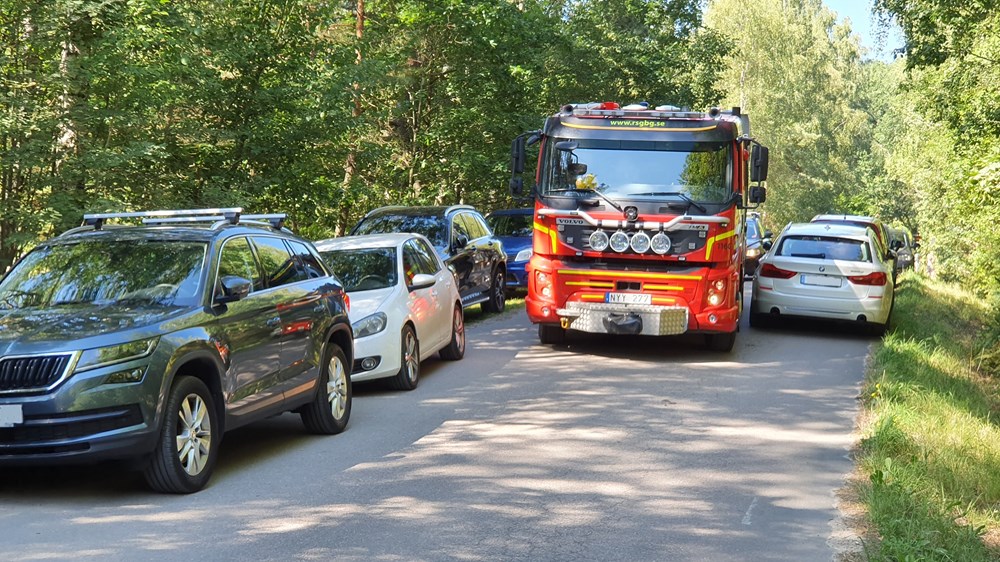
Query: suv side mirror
pixel 234 288
pixel 766 244
pixel 461 240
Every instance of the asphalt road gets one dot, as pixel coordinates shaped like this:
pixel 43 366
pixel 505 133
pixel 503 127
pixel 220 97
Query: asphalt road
pixel 608 449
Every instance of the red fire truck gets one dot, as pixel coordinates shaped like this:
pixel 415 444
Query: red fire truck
pixel 639 220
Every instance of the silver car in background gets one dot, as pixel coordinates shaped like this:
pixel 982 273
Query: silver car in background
pixel 827 271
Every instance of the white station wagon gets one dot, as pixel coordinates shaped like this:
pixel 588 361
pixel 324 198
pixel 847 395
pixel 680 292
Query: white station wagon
pixel 826 271
pixel 404 304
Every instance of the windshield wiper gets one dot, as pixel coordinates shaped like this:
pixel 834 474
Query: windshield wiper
pixel 690 202
pixel 588 190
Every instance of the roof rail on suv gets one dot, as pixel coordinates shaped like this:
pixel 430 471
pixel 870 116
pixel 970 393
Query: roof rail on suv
pixel 218 218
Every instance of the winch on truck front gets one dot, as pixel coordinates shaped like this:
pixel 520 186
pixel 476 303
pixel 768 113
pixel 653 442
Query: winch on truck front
pixel 639 215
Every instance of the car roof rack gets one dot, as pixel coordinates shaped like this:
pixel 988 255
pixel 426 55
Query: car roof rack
pixel 218 217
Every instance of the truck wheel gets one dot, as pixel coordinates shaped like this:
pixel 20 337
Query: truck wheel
pixel 720 342
pixel 550 334
pixel 188 444
pixel 498 293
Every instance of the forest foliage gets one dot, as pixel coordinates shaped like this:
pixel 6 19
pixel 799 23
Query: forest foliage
pixel 325 110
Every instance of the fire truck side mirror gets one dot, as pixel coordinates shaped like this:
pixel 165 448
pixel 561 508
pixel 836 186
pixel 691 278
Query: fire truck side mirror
pixel 516 186
pixel 758 194
pixel 517 155
pixel 758 163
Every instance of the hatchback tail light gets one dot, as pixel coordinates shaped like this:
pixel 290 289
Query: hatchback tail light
pixel 769 270
pixel 874 278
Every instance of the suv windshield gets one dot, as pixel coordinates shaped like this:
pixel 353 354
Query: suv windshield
pixel 105 272
pixel 634 169
pixel 435 228
pixel 363 270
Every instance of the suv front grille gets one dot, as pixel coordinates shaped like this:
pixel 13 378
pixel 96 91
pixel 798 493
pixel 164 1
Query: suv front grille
pixel 31 373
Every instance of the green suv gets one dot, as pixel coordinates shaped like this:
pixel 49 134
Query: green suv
pixel 148 342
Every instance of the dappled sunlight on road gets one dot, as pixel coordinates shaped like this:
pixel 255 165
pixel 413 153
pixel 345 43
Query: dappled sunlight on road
pixel 607 449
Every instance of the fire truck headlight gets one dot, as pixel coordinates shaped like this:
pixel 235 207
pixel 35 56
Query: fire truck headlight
pixel 719 284
pixel 599 241
pixel 547 291
pixel 619 241
pixel 640 242
pixel 660 243
pixel 715 299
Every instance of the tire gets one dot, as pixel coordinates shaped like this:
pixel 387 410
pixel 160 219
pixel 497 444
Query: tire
pixel 550 334
pixel 456 349
pixel 721 342
pixel 188 444
pixel 498 293
pixel 409 361
pixel 328 413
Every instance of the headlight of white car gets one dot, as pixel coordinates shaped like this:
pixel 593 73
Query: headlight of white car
pixel 523 255
pixel 369 325
pixel 101 356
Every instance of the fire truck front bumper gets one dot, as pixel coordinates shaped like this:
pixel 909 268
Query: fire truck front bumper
pixel 631 319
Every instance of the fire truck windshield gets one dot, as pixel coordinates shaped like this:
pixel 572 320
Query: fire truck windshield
pixel 623 169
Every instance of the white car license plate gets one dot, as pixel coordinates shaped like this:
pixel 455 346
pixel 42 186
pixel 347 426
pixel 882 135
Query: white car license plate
pixel 11 415
pixel 821 280
pixel 628 298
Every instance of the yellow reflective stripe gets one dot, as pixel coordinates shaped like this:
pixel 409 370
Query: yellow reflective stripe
pixel 651 129
pixel 591 284
pixel 664 300
pixel 553 235
pixel 637 274
pixel 714 239
pixel 662 287
pixel 592 297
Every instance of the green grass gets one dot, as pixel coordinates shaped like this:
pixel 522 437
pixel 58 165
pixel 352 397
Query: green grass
pixel 931 445
pixel 474 313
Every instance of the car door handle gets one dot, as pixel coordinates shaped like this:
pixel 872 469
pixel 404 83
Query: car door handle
pixel 273 322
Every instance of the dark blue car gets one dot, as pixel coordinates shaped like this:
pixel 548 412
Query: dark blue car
pixel 513 227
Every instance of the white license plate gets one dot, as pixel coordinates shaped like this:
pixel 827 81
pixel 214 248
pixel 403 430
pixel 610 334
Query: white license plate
pixel 821 280
pixel 11 415
pixel 628 298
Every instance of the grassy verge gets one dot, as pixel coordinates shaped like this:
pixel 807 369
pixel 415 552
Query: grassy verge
pixel 474 313
pixel 931 429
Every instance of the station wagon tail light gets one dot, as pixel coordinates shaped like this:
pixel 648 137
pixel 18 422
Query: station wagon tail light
pixel 770 270
pixel 347 303
pixel 876 278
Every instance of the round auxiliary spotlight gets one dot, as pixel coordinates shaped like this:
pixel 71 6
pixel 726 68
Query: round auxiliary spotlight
pixel 599 241
pixel 660 243
pixel 640 242
pixel 631 213
pixel 619 241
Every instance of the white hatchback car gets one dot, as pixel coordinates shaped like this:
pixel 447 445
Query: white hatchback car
pixel 825 271
pixel 404 304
